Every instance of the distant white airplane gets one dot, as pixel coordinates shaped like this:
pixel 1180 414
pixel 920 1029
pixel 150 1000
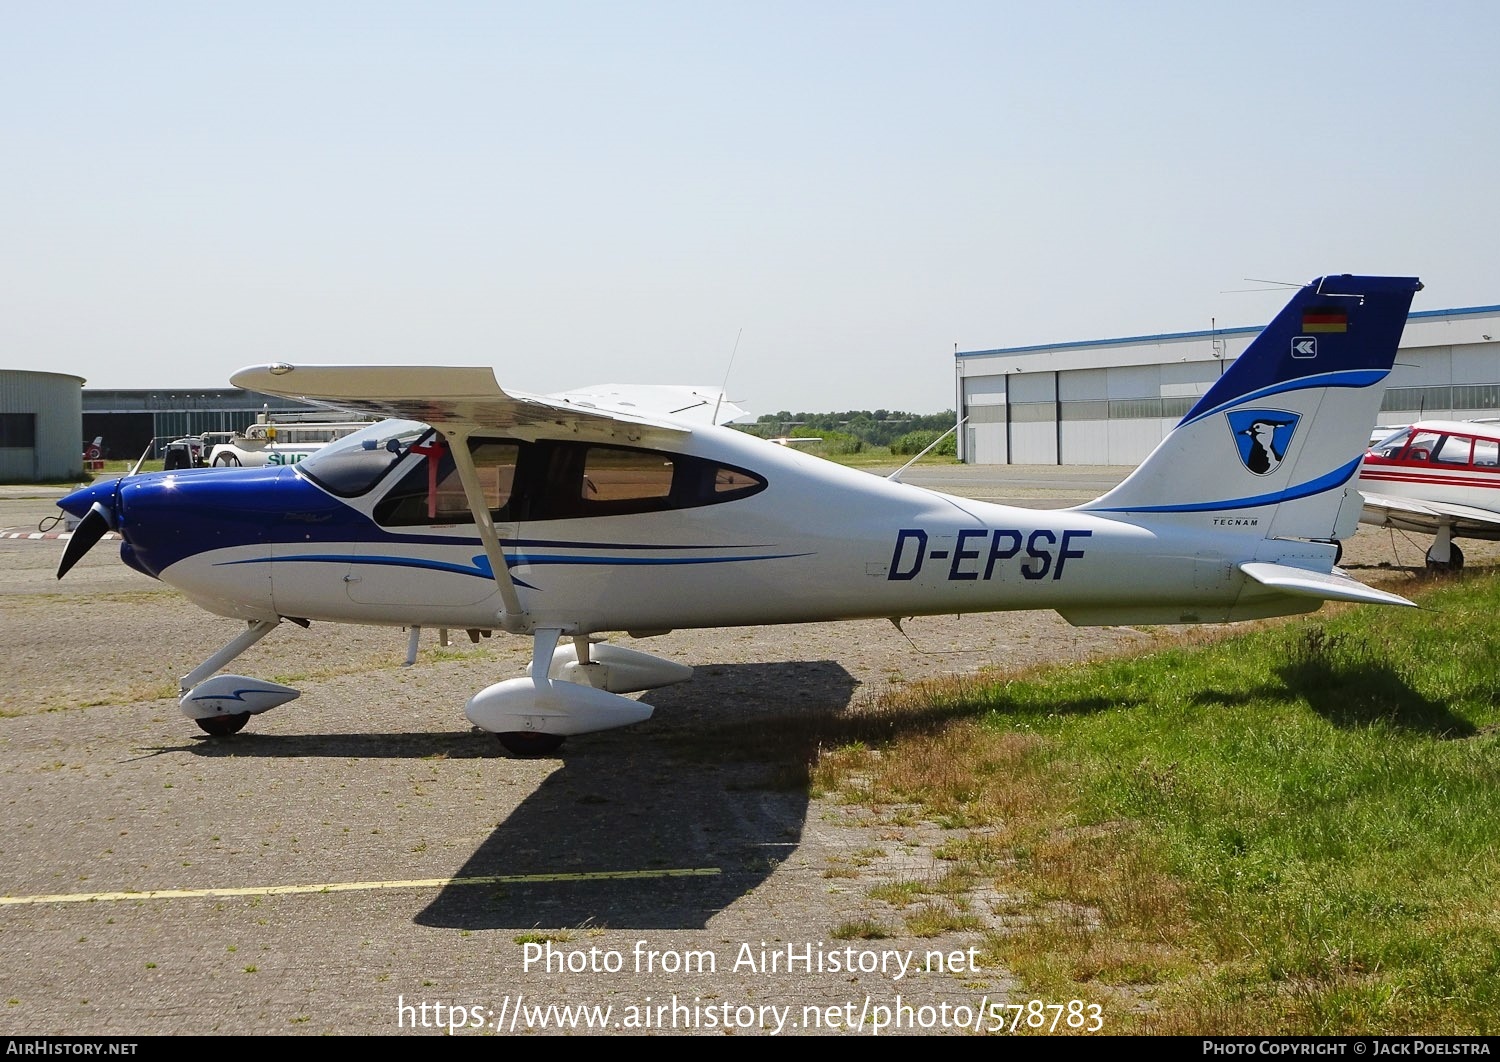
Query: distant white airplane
pixel 564 517
pixel 1438 477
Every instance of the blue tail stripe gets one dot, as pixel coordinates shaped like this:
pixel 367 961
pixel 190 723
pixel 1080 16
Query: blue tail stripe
pixel 1337 478
pixel 1353 378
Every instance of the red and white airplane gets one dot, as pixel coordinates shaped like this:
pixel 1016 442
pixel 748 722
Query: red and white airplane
pixel 1437 477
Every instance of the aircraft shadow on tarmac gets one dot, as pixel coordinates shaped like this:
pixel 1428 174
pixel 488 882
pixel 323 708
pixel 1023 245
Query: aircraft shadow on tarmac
pixel 660 826
pixel 656 826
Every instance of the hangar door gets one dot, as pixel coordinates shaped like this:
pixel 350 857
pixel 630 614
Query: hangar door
pixel 984 431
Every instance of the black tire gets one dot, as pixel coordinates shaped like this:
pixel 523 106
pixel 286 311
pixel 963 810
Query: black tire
pixel 226 461
pixel 530 743
pixel 1454 563
pixel 224 725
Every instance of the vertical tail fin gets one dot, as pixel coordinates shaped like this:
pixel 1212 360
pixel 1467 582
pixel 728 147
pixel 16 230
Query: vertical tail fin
pixel 1278 438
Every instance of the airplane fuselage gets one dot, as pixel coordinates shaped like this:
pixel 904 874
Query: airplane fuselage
pixel 818 542
pixel 568 516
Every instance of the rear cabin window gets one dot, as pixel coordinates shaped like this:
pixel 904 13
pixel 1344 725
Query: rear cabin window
pixel 611 476
pixel 550 480
pixel 1454 450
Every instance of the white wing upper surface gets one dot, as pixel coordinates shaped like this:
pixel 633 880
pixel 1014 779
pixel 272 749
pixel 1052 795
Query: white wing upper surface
pixel 693 405
pixel 1426 515
pixel 468 397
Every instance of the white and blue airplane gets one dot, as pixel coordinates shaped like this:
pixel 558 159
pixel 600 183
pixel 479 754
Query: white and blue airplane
pixel 567 517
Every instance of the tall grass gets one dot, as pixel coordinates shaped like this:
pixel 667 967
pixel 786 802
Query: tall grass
pixel 1293 830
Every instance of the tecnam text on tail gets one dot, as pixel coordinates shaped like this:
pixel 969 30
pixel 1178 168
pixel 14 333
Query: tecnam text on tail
pixel 565 517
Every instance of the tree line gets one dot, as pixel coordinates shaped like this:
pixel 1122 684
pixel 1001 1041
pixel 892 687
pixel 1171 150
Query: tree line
pixel 855 429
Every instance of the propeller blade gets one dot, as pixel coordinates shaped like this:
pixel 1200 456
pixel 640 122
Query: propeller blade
pixel 90 530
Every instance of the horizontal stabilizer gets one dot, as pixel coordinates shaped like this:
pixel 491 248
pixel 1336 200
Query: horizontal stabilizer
pixel 1330 586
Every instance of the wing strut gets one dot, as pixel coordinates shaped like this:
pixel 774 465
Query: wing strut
pixel 458 442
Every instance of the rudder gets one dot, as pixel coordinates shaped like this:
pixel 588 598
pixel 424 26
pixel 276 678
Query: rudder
pixel 1278 438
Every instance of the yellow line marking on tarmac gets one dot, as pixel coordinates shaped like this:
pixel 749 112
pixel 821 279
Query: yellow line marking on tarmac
pixel 355 886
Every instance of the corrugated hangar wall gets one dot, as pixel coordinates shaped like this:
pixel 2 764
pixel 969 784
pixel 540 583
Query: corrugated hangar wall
pixel 41 426
pixel 1110 401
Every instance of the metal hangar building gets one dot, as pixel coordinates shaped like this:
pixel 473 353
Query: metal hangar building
pixel 130 420
pixel 1110 401
pixel 41 417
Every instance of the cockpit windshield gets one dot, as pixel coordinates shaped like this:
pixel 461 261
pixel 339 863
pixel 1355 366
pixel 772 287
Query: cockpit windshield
pixel 1390 445
pixel 353 464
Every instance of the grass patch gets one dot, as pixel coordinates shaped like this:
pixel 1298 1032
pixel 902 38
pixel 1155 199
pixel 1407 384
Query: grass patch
pixel 537 936
pixel 1291 830
pixel 935 919
pixel 860 929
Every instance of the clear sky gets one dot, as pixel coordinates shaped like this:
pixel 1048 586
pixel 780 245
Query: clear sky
pixel 580 193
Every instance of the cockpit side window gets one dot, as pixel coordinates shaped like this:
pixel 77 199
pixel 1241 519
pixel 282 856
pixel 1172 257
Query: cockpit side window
pixel 1454 450
pixel 1422 446
pixel 555 480
pixel 432 493
pixel 1390 446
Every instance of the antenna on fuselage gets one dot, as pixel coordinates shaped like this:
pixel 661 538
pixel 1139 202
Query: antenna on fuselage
pixel 725 386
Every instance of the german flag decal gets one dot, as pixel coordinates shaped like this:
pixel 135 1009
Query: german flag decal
pixel 1325 319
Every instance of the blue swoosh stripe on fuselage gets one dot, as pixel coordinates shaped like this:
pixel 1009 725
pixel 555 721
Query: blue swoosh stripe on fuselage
pixel 481 566
pixel 533 558
pixel 1348 378
pixel 392 538
pixel 1337 478
pixel 213 509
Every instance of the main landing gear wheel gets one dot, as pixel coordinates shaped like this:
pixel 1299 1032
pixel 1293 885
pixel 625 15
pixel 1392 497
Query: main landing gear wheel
pixel 530 743
pixel 224 725
pixel 1454 562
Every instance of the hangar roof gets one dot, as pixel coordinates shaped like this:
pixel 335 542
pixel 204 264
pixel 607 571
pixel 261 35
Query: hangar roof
pixel 1211 333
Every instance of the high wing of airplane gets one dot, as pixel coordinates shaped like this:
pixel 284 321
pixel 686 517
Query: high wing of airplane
pixel 1438 477
pixel 565 518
